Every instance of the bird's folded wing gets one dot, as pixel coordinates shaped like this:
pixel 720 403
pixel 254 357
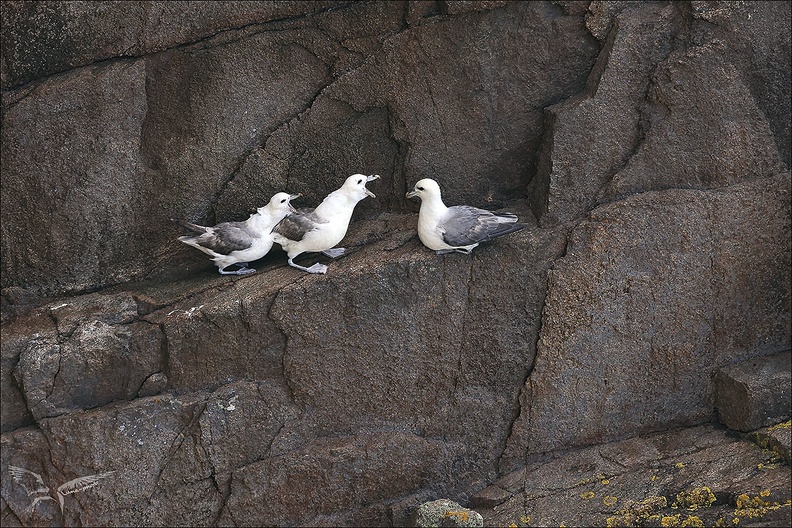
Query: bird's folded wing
pixel 227 237
pixel 296 226
pixel 464 225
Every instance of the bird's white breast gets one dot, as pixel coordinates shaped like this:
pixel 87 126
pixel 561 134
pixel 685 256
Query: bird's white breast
pixel 429 232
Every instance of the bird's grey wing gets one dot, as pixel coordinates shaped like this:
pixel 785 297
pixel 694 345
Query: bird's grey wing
pixel 296 226
pixel 227 237
pixel 464 225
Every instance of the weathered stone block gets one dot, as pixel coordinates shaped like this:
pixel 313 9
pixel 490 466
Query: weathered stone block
pixel 491 496
pixel 755 393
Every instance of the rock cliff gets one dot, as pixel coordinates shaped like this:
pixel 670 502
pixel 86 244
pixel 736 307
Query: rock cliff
pixel 646 145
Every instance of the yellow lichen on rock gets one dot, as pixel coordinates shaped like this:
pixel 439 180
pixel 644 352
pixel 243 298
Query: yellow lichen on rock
pixel 696 498
pixel 461 515
pixel 750 507
pixel 638 512
pixel 670 520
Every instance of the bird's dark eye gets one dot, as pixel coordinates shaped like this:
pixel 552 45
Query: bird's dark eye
pixel 420 188
pixel 360 181
pixel 283 201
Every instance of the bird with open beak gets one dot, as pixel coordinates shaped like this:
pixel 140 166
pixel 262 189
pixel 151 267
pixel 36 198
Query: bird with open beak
pixel 318 230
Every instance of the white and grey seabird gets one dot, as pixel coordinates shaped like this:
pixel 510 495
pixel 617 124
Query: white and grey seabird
pixel 320 229
pixel 239 243
pixel 458 228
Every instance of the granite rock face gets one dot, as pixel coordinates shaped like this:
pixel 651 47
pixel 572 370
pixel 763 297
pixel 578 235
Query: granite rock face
pixel 646 145
pixel 655 256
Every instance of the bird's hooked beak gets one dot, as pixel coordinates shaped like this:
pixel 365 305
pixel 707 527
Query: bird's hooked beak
pixel 368 179
pixel 412 193
pixel 293 197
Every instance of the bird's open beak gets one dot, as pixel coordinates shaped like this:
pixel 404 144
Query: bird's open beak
pixel 293 197
pixel 368 179
pixel 411 194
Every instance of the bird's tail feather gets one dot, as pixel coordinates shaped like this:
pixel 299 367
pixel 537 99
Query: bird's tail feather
pixel 506 218
pixel 195 228
pixel 505 229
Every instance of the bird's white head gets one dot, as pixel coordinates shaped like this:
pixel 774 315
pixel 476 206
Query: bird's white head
pixel 426 188
pixel 355 186
pixel 281 202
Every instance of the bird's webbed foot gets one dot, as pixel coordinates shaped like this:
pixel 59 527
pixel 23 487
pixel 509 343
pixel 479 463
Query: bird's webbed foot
pixel 334 253
pixel 316 268
pixel 243 270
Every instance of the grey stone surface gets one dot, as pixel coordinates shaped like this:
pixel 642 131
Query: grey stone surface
pixel 721 139
pixel 153 384
pixel 755 393
pixel 758 44
pixel 607 114
pixel 41 39
pixel 96 352
pixel 644 95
